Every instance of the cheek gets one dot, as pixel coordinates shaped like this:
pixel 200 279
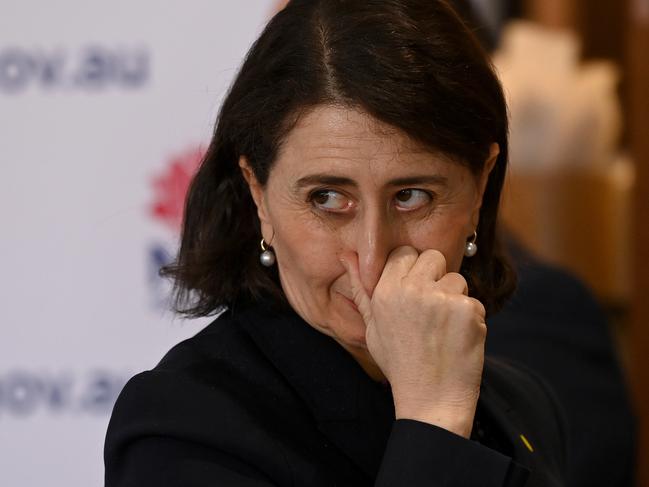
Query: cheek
pixel 312 278
pixel 454 261
pixel 447 235
pixel 307 254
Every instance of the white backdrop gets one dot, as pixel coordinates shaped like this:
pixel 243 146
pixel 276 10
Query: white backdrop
pixel 104 108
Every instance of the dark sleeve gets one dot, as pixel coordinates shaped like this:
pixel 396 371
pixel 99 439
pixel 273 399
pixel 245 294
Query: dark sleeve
pixel 421 454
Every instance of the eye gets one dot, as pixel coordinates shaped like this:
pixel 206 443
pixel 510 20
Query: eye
pixel 329 200
pixel 412 199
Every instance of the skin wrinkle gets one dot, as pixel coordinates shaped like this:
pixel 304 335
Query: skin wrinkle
pixel 326 179
pixel 308 241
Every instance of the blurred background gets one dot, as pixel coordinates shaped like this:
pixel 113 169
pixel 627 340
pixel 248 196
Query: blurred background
pixel 105 111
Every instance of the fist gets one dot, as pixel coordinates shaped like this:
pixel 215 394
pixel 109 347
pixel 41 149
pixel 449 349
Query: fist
pixel 426 335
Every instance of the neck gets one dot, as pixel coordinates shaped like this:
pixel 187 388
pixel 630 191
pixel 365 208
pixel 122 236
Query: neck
pixel 367 363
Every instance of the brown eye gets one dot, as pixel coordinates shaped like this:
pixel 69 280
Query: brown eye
pixel 404 194
pixel 321 198
pixel 329 200
pixel 412 199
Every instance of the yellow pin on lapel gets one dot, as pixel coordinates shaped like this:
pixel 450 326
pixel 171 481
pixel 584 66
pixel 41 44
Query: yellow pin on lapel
pixel 526 443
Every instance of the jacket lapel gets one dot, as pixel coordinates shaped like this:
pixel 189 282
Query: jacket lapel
pixel 351 410
pixel 507 421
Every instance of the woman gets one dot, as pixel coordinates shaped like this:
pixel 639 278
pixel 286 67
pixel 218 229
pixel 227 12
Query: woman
pixel 364 143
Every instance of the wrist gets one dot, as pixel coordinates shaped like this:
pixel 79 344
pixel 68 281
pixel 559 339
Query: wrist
pixel 458 419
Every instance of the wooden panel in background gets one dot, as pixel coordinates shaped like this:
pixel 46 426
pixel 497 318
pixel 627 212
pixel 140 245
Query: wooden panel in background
pixel 638 334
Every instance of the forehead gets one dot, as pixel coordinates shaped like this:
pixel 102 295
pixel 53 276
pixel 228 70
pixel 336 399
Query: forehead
pixel 343 133
pixel 344 142
pixel 348 143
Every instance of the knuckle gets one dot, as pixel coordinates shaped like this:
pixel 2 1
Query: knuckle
pixel 410 286
pixel 434 255
pixel 466 302
pixel 472 304
pixel 467 306
pixel 482 329
pixel 479 308
pixel 404 251
pixel 457 277
pixel 457 280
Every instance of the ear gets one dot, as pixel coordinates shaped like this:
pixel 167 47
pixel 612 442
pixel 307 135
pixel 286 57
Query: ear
pixel 256 189
pixel 494 151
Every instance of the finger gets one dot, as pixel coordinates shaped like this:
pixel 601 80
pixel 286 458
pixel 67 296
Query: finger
pixel 453 283
pixel 399 263
pixel 362 301
pixel 479 308
pixel 430 266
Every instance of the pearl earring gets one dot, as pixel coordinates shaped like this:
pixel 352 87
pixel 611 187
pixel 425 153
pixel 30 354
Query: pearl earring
pixel 267 257
pixel 471 248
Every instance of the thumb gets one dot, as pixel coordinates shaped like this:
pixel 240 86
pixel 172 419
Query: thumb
pixel 362 301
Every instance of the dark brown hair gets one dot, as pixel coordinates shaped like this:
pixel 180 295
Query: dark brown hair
pixel 411 64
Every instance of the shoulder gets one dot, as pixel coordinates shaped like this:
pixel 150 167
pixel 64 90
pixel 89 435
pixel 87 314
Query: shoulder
pixel 200 398
pixel 218 362
pixel 222 355
pixel 523 386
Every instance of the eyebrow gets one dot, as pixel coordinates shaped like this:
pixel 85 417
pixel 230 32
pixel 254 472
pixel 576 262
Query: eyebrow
pixel 328 179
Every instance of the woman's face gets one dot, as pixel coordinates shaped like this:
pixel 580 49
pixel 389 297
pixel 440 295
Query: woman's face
pixel 345 182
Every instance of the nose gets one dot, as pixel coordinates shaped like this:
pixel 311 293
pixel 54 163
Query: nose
pixel 373 239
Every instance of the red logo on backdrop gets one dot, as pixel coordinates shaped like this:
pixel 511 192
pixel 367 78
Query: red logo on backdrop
pixel 171 187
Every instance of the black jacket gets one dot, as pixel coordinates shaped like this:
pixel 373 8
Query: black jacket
pixel 555 327
pixel 260 398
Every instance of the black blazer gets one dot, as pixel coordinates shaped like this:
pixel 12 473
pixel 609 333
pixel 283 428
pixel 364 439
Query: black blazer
pixel 555 327
pixel 260 398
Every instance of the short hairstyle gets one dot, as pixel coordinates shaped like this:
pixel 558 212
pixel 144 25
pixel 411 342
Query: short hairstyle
pixel 412 64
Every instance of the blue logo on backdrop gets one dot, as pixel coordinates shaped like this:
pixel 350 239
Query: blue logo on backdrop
pixel 90 68
pixel 24 393
pixel 159 256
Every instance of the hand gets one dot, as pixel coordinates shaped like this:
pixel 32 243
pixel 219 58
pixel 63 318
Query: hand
pixel 426 335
